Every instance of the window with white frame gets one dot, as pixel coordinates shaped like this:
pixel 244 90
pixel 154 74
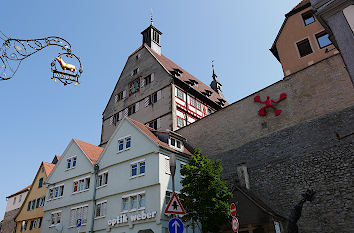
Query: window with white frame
pixel 79 212
pixel 102 179
pixel 56 192
pixel 81 185
pixel 55 218
pixel 133 202
pixel 124 143
pixel 180 94
pixel 137 168
pixel 42 201
pixel 101 209
pixel 71 162
pixel 175 143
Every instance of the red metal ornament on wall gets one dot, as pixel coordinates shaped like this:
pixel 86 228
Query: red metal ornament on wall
pixel 269 104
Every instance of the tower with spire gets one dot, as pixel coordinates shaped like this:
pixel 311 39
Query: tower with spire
pixel 157 92
pixel 215 84
pixel 151 37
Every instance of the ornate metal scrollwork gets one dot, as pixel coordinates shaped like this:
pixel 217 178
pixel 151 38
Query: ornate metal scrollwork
pixel 14 51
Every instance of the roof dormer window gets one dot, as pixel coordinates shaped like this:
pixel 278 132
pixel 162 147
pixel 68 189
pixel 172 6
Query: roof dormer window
pixel 175 143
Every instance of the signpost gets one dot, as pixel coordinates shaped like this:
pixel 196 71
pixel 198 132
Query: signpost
pixel 174 206
pixel 233 212
pixel 235 224
pixel 78 224
pixel 175 225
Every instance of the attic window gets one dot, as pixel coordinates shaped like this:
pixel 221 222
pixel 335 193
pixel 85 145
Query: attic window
pixel 308 18
pixel 176 72
pixel 175 143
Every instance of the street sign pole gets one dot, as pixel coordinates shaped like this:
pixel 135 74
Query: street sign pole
pixel 173 171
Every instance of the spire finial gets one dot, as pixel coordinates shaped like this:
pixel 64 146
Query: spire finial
pixel 214 75
pixel 151 19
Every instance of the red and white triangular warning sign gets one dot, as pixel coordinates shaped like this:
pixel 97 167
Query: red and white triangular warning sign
pixel 174 206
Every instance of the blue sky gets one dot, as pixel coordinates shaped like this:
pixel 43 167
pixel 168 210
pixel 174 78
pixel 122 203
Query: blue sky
pixel 39 117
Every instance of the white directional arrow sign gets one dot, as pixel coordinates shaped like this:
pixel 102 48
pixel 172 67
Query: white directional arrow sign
pixel 175 226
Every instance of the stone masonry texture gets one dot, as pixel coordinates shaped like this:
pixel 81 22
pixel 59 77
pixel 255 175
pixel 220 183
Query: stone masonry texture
pixel 319 89
pixel 9 224
pixel 284 164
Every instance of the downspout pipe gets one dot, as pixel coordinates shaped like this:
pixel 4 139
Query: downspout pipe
pixel 96 169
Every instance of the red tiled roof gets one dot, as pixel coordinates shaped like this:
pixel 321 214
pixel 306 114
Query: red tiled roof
pixel 21 191
pixel 148 131
pixel 302 3
pixel 48 167
pixel 92 152
pixel 185 76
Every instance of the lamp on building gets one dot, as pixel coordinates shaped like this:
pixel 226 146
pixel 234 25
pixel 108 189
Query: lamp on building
pixel 48 184
pixel 173 170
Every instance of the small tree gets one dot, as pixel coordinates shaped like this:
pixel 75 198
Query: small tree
pixel 204 196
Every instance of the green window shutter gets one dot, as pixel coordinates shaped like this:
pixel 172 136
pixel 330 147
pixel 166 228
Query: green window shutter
pixel 38 200
pixel 29 206
pixel 31 225
pixel 40 222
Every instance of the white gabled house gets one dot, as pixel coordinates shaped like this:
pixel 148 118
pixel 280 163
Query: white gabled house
pixel 125 187
pixel 70 193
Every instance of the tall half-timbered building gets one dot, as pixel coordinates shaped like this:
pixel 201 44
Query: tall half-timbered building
pixel 154 90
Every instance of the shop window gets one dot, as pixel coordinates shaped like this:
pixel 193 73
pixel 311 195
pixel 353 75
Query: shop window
pixel 304 47
pixel 125 204
pixel 308 18
pixel 133 202
pixel 323 40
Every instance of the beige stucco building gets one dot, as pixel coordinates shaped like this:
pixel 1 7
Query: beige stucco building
pixel 301 41
pixel 30 215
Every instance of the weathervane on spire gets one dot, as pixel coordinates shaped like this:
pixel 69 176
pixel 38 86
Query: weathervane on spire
pixel 214 75
pixel 151 19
